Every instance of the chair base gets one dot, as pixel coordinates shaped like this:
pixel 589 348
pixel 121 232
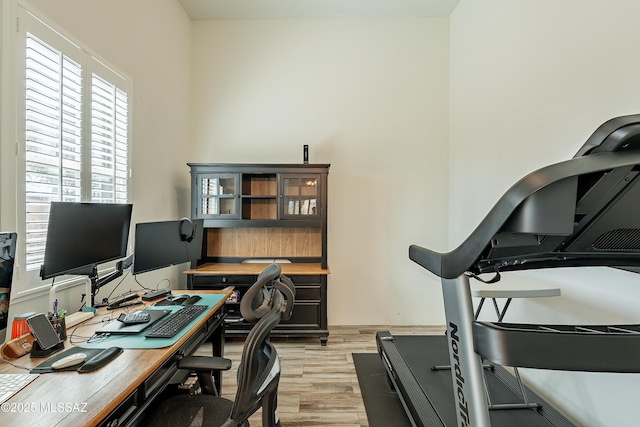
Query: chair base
pixel 194 411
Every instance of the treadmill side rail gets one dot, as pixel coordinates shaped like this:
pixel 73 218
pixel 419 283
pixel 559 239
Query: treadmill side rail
pixel 416 404
pixel 587 348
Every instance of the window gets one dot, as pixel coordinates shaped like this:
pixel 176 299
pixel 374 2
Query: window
pixel 76 130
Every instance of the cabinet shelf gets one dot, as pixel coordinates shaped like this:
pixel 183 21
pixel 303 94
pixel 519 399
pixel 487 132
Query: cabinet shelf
pixel 255 184
pixel 243 223
pixel 259 208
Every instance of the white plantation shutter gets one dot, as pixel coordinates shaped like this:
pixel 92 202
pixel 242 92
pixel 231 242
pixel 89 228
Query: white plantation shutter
pixel 76 131
pixel 53 139
pixel 109 143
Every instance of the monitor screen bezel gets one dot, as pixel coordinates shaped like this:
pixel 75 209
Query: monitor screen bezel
pixel 87 223
pixel 163 244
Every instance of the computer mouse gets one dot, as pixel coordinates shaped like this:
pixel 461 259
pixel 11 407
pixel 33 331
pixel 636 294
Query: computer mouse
pixel 71 360
pixel 192 300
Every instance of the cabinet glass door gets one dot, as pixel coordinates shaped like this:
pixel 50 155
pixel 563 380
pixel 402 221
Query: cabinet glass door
pixel 219 195
pixel 300 196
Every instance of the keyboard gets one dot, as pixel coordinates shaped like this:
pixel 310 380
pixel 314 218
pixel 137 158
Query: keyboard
pixel 10 384
pixel 169 326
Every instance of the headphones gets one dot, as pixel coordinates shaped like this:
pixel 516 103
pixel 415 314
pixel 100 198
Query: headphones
pixel 187 237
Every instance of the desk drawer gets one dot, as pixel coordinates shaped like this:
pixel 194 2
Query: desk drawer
pixel 124 412
pixel 160 378
pixel 219 282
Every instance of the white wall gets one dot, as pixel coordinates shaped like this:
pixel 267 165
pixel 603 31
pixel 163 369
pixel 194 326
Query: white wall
pixel 530 81
pixel 370 97
pixel 150 42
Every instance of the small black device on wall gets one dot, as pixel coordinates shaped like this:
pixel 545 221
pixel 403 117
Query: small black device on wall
pixel 305 154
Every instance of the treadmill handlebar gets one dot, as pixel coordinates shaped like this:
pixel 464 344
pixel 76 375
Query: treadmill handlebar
pixel 426 258
pixel 593 194
pixel 619 133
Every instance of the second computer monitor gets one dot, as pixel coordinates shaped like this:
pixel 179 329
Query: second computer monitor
pixel 166 243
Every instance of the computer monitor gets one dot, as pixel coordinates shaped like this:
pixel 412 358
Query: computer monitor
pixel 165 243
pixel 81 236
pixel 7 257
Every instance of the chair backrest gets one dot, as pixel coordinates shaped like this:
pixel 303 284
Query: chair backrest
pixel 256 302
pixel 269 300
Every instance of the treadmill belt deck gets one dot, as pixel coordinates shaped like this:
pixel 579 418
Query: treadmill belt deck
pixel 422 352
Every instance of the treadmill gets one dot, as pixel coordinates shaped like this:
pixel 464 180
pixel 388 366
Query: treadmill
pixel 578 213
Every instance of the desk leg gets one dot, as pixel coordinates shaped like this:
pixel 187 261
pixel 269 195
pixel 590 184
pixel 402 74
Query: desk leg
pixel 217 349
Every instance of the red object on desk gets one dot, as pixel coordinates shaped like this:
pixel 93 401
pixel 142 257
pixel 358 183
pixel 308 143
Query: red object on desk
pixel 19 325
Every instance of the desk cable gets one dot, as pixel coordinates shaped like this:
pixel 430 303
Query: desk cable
pixel 84 338
pixel 14 365
pixel 157 284
pixel 105 300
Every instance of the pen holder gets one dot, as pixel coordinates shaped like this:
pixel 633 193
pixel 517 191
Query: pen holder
pixel 60 327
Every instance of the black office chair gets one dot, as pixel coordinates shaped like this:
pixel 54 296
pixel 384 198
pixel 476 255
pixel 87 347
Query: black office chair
pixel 269 300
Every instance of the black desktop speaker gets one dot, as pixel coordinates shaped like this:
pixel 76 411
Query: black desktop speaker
pixel 305 154
pixel 187 232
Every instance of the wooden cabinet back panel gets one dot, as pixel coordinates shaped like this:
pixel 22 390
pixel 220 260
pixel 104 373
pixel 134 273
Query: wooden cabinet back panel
pixel 264 242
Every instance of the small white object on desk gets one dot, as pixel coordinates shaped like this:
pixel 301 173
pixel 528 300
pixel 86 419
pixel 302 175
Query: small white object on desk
pixel 71 360
pixel 74 318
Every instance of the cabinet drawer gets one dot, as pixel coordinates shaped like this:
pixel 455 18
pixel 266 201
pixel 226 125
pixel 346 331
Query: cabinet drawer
pixel 309 315
pixel 304 315
pixel 300 280
pixel 308 293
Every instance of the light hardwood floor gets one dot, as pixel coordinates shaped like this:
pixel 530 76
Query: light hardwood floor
pixel 318 385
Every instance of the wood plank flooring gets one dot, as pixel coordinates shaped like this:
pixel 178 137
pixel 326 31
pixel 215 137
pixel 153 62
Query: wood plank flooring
pixel 318 385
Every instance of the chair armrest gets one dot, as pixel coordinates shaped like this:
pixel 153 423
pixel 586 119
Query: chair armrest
pixel 204 367
pixel 204 363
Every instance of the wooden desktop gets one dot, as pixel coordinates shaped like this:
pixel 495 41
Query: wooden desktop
pixel 116 394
